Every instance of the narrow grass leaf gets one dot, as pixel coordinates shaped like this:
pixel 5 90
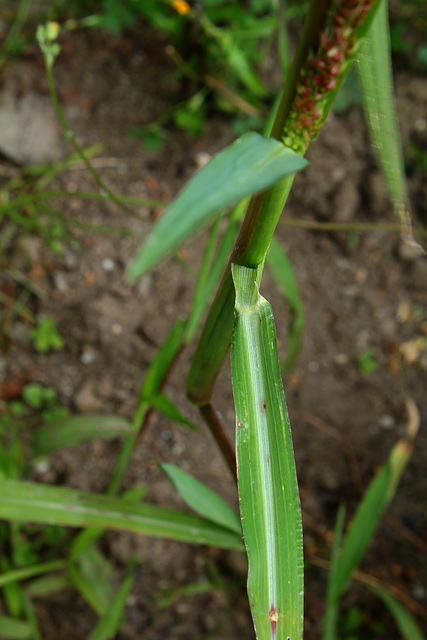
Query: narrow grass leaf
pixel 402 616
pixel 109 624
pixel 368 514
pixel 12 593
pixel 24 573
pixel 283 275
pixel 31 617
pixel 202 500
pixel 375 73
pixel 160 365
pixel 251 164
pixel 267 482
pixel 83 541
pixel 166 407
pixel 47 586
pixel 32 502
pixel 70 432
pixel 331 614
pixel 11 629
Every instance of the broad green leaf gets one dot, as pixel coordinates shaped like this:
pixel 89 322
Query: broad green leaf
pixel 202 500
pixel 91 574
pixel 33 502
pixel 70 432
pixel 11 629
pixel 362 529
pixel 283 275
pixel 376 78
pixel 251 164
pixel 166 407
pixel 109 624
pixel 267 482
pixel 402 616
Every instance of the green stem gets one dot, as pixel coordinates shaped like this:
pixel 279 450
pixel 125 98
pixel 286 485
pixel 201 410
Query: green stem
pixel 70 137
pixel 265 209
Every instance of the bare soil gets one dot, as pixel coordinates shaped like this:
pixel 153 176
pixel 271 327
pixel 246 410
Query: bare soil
pixel 360 291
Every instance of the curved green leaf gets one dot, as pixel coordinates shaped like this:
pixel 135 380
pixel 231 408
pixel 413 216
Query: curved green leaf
pixel 251 164
pixel 109 624
pixel 70 432
pixel 402 616
pixel 375 500
pixel 375 73
pixel 31 502
pixel 202 500
pixel 268 489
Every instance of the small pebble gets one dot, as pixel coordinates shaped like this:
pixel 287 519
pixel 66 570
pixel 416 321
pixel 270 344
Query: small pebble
pixel 87 357
pixel 419 592
pixel 108 265
pixel 60 282
pixel 116 329
pixel 341 359
pixel 202 159
pixel 42 467
pixel 386 421
pixel 313 366
pixel 85 399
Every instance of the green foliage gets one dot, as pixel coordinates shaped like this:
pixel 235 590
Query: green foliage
pixel 217 41
pixel 367 362
pixel 45 336
pixel 152 137
pixel 39 397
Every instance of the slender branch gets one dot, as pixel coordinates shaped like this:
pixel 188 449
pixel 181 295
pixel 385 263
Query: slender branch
pixel 70 137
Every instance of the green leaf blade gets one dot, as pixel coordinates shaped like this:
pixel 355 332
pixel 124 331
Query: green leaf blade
pixel 283 275
pixel 250 165
pixel 31 502
pixel 402 616
pixel 70 432
pixel 109 624
pixel 202 500
pixel 374 502
pixel 375 73
pixel 12 629
pixel 268 490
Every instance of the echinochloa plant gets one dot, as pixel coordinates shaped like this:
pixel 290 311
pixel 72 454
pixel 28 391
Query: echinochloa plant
pixel 321 76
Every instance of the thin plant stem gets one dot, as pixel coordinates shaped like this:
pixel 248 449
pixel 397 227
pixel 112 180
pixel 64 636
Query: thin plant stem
pixel 70 137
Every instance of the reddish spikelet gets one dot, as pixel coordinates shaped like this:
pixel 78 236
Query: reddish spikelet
pixel 324 70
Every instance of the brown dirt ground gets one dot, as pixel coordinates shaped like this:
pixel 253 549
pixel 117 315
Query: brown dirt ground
pixel 354 297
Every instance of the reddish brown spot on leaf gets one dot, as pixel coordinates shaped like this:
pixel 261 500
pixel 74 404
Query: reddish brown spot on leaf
pixel 273 615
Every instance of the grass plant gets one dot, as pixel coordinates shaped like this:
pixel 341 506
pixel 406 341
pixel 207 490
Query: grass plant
pixel 254 175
